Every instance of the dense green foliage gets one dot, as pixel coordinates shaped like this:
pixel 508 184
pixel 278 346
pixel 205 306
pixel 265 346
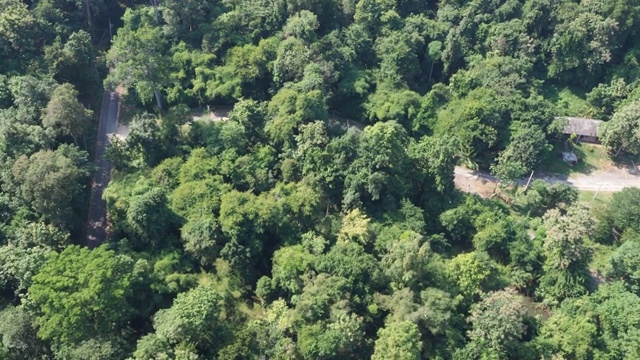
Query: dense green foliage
pixel 320 220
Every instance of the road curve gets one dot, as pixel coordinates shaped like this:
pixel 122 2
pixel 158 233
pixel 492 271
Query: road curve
pixel 96 225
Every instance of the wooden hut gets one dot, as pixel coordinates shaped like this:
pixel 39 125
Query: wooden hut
pixel 587 130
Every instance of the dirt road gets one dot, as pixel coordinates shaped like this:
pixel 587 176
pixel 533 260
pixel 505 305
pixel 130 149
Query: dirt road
pixel 611 180
pixel 607 181
pixel 96 228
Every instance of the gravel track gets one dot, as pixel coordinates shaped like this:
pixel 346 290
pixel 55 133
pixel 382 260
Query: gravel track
pixel 611 180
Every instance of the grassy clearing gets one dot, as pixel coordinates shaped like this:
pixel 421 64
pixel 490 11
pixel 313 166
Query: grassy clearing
pixel 592 157
pixel 601 198
pixel 601 255
pixel 570 101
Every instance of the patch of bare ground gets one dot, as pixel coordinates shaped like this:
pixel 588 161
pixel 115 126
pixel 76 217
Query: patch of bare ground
pixel 215 113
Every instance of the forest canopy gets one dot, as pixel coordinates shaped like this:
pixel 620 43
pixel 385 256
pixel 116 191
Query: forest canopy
pixel 319 218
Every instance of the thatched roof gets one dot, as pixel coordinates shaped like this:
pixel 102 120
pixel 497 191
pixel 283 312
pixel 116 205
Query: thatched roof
pixel 581 126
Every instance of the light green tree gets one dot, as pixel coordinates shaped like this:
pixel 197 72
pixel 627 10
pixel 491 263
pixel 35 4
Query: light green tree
pixel 497 324
pixel 623 130
pixel 80 294
pixel 473 272
pixel 194 319
pixel 567 255
pixel 406 261
pixel 139 60
pixel 398 341
pixel 291 268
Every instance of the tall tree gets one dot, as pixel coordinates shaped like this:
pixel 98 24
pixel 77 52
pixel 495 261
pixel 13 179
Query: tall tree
pixel 194 320
pixel 406 261
pixel 19 265
pixel 80 294
pixel 18 35
pixel 567 255
pixel 623 130
pixel 582 43
pixel 73 60
pixel 291 266
pixel 601 325
pixel 625 263
pixel 149 216
pixel 624 209
pixel 52 182
pixel 497 325
pixel 473 273
pixel 187 20
pixel 382 169
pixel 65 115
pixel 527 148
pixel 19 335
pixel 139 60
pixel 398 341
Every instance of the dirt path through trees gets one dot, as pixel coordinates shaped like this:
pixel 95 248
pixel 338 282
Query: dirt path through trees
pixel 96 226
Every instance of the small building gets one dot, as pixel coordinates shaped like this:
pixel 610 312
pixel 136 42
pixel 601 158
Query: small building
pixel 587 130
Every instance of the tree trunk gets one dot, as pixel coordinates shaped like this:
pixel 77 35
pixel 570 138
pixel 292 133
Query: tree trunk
pixel 431 71
pixel 154 3
pixel 86 4
pixel 156 92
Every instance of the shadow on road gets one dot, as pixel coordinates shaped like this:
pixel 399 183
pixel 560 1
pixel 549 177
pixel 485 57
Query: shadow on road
pixel 97 225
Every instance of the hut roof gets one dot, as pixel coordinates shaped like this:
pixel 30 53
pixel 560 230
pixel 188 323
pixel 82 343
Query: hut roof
pixel 581 126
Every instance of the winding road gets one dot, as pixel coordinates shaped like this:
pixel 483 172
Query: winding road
pixel 97 225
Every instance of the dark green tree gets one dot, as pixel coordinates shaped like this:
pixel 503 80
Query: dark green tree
pixel 52 182
pixel 65 115
pixel 625 262
pixel 19 335
pixel 624 209
pixel 527 148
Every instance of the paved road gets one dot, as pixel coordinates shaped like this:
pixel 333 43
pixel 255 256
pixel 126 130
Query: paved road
pixel 607 181
pixel 96 228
